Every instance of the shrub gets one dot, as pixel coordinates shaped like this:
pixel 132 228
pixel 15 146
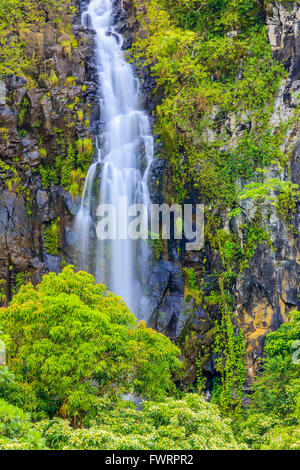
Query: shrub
pixel 16 429
pixel 277 390
pixel 70 341
pixel 187 424
pixel 272 419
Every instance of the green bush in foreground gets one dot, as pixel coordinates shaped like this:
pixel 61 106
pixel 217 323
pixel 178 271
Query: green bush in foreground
pixel 69 341
pixel 16 430
pixel 186 424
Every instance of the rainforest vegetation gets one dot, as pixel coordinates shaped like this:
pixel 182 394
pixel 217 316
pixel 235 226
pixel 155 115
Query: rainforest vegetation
pixel 80 371
pixel 74 351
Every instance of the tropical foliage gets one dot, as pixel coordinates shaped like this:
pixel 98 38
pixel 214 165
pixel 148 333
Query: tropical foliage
pixel 18 18
pixel 70 341
pixel 81 372
pixel 75 352
pixel 272 421
pixel 17 431
pixel 186 424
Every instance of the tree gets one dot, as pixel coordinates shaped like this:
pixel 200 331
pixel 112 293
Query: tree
pixel 186 424
pixel 277 390
pixel 16 430
pixel 272 419
pixel 69 341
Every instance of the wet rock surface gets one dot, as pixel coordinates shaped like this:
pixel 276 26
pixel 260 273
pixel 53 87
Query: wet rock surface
pixel 268 290
pixel 32 120
pixel 265 292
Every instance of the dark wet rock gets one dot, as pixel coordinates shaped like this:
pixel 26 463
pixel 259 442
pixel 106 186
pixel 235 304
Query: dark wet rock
pixel 155 180
pixel 52 263
pixel 29 206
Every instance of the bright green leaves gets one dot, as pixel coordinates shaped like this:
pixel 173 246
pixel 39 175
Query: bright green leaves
pixel 72 341
pixel 51 237
pixel 230 350
pixel 282 195
pixel 16 430
pixel 187 424
pixel 19 22
pixel 71 164
pixel 203 75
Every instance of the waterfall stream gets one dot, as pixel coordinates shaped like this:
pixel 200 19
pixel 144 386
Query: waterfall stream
pixel 124 153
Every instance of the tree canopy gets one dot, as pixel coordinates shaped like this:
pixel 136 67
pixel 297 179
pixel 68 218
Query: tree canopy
pixel 185 424
pixel 69 341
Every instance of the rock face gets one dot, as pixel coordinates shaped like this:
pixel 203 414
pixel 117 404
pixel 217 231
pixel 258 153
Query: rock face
pixel 268 290
pixel 37 124
pixel 283 27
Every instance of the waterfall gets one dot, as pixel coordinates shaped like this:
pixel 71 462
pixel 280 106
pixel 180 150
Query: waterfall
pixel 124 153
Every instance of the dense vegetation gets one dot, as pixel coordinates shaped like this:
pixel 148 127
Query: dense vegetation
pixel 77 359
pixel 18 19
pixel 184 424
pixel 272 421
pixel 68 342
pixel 74 351
pixel 216 84
pixel 221 65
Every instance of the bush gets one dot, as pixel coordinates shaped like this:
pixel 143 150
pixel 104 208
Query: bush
pixel 69 341
pixel 16 429
pixel 282 438
pixel 187 424
pixel 277 391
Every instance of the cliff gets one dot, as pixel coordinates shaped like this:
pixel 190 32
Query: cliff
pixel 46 118
pixel 266 289
pixel 48 122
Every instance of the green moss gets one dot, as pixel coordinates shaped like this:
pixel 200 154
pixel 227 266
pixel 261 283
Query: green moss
pixel 48 175
pixel 77 186
pixel 85 153
pixel 20 19
pixel 51 237
pixel 22 278
pixel 23 111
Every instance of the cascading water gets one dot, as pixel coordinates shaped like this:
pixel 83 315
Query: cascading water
pixel 125 151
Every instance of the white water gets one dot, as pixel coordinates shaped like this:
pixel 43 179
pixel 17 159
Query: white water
pixel 126 140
